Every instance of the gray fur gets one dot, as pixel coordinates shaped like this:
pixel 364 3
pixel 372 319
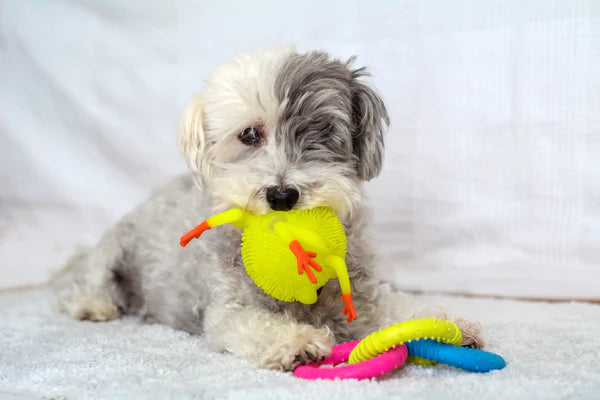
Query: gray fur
pixel 371 121
pixel 328 138
pixel 330 114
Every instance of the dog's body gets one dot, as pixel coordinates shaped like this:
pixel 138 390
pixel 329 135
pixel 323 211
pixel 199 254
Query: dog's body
pixel 273 130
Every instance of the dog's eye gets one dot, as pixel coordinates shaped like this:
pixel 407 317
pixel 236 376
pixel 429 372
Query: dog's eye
pixel 250 136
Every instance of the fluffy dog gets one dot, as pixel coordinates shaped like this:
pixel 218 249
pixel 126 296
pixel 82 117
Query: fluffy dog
pixel 274 130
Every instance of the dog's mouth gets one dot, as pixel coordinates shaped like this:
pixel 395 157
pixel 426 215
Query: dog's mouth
pixel 260 203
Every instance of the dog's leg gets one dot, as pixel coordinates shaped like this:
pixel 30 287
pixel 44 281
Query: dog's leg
pixel 88 292
pixel 274 341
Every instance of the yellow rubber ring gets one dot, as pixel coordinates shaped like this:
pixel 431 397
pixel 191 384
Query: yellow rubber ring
pixel 383 340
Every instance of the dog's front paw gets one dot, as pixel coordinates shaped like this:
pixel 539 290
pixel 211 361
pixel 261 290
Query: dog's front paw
pixel 299 345
pixel 93 308
pixel 471 333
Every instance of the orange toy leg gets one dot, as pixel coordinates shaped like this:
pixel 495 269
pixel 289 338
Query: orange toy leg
pixel 305 260
pixel 194 233
pixel 348 307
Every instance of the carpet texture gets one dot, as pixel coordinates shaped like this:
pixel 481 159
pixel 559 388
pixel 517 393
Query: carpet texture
pixel 552 352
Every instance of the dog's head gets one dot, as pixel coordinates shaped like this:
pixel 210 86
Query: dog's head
pixel 279 130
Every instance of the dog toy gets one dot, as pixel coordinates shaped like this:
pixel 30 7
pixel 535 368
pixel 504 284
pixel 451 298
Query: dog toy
pixel 407 331
pixel 372 368
pixel 279 247
pixel 427 341
pixel 473 360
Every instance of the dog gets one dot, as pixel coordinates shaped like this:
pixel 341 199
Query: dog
pixel 272 130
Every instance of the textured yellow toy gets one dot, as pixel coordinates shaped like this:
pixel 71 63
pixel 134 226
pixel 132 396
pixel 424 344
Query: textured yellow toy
pixel 279 247
pixel 405 332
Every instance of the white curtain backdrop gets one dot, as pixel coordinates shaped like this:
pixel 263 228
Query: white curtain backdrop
pixel 492 175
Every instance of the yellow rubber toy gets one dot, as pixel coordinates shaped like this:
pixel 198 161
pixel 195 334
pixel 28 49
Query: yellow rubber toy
pixel 280 247
pixel 407 331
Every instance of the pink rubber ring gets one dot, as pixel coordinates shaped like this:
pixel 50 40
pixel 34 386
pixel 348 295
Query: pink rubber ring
pixel 371 368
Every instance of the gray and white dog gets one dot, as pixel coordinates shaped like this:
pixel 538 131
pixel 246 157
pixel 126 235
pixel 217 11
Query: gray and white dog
pixel 273 130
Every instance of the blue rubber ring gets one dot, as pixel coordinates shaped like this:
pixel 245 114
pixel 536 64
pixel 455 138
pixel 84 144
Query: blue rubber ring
pixel 460 357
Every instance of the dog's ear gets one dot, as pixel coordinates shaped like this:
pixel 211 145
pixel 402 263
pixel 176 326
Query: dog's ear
pixel 192 138
pixel 370 123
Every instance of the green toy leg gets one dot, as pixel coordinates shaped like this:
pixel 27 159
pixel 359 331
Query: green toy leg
pixel 339 265
pixel 235 216
pixel 341 270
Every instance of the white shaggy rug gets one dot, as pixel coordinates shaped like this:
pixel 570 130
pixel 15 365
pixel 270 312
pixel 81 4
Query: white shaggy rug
pixel 552 352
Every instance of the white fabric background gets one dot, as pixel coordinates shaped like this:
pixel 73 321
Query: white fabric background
pixel 492 176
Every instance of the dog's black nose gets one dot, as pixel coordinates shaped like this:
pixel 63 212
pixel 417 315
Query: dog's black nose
pixel 282 199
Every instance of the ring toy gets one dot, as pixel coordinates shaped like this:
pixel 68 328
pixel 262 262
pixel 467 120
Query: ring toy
pixel 372 368
pixel 462 357
pixel 407 331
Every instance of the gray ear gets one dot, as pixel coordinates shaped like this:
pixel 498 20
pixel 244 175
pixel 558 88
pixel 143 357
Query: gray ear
pixel 371 120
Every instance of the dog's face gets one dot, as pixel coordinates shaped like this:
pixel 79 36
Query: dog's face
pixel 281 130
